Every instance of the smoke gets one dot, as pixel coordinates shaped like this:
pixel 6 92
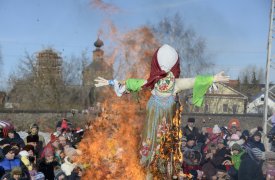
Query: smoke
pixel 106 7
pixel 129 52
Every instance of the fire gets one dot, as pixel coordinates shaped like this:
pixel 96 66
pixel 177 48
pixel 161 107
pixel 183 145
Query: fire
pixel 111 145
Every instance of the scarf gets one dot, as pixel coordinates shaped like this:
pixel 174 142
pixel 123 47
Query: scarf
pixel 157 73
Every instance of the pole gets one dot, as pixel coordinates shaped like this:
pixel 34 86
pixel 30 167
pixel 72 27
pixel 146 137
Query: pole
pixel 269 47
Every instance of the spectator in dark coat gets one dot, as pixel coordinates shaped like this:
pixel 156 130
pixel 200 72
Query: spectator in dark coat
pixel 14 138
pixel 255 141
pixel 251 165
pixel 10 162
pixel 190 129
pixel 48 164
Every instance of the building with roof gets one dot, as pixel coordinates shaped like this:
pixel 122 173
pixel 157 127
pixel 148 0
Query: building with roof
pixel 225 100
pixel 257 103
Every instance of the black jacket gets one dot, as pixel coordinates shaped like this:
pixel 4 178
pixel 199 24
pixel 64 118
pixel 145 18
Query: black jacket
pixel 250 169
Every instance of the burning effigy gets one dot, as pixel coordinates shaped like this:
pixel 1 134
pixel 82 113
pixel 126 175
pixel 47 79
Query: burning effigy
pixel 157 156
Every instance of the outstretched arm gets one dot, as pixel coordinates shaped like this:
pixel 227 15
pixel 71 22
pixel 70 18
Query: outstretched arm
pixel 188 83
pixel 200 85
pixel 121 87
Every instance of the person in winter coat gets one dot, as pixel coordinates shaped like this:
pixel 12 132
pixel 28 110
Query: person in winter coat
pixel 10 161
pixel 255 141
pixel 190 129
pixel 14 138
pixel 76 174
pixel 237 153
pixel 34 130
pixel 234 138
pixel 48 164
pixel 59 174
pixel 251 165
pixel 68 166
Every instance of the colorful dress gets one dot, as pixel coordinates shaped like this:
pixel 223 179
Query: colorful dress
pixel 161 109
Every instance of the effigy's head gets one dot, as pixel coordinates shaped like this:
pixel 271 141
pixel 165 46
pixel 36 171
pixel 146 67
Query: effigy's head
pixel 167 57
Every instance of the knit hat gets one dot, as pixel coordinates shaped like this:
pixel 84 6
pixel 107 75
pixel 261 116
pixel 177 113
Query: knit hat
pixel 234 137
pixel 216 129
pixel 48 152
pixel 7 149
pixel 191 119
pixel 32 138
pixel 58 172
pixel 236 147
pixel 257 133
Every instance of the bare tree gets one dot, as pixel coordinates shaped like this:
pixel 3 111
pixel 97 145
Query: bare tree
pixel 45 84
pixel 251 77
pixel 191 48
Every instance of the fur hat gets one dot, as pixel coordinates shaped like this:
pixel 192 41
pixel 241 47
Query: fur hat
pixel 234 137
pixel 191 119
pixel 216 129
pixel 236 147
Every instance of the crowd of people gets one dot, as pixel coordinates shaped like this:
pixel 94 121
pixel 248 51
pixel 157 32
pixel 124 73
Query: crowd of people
pixel 32 158
pixel 226 153
pixel 209 153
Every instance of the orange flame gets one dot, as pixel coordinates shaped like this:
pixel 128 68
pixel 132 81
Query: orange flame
pixel 111 144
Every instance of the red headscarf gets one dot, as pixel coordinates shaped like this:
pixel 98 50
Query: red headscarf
pixel 157 73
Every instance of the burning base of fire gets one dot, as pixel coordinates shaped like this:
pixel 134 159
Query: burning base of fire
pixel 111 145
